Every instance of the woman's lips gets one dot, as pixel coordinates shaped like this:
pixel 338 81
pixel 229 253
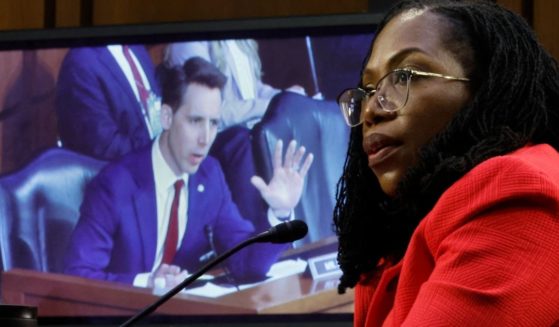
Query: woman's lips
pixel 378 157
pixel 378 147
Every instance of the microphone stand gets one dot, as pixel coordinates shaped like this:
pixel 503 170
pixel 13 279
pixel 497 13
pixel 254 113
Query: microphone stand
pixel 187 281
pixel 209 234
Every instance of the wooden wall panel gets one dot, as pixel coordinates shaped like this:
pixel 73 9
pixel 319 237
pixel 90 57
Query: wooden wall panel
pixel 147 11
pixel 21 14
pixel 68 13
pixel 547 24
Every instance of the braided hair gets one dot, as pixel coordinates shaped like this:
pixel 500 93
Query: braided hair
pixel 515 101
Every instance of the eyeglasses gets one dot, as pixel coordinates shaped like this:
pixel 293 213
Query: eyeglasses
pixel 392 91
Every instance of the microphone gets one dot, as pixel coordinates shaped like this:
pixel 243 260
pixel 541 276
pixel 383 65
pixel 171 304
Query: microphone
pixel 283 233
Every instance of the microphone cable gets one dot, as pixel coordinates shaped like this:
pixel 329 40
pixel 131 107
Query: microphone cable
pixel 209 231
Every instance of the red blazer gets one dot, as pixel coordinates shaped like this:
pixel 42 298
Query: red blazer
pixel 486 255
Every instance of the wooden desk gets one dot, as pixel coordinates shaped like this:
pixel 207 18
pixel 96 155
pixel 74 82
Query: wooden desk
pixel 70 296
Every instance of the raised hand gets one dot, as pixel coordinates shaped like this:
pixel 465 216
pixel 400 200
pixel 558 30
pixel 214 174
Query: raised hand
pixel 284 190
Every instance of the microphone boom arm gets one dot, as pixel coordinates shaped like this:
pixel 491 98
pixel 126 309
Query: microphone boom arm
pixel 165 297
pixel 283 233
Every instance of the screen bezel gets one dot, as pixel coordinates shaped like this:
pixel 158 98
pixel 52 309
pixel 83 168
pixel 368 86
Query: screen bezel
pixel 203 30
pixel 198 30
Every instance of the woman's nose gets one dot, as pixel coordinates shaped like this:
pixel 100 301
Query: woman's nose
pixel 373 113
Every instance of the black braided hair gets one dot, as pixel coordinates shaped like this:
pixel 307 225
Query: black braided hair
pixel 515 101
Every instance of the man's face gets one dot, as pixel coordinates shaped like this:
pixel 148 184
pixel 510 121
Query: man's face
pixel 190 131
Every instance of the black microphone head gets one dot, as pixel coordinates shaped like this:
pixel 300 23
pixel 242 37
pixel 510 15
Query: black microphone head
pixel 285 232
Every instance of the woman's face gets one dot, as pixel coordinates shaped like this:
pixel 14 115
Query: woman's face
pixel 391 140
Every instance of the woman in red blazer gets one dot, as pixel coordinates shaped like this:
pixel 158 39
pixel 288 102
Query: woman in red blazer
pixel 448 207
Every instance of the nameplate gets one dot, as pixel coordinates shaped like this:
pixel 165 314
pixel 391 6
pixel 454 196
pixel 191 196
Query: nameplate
pixel 324 266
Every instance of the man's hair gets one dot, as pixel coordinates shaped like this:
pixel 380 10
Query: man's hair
pixel 174 80
pixel 515 99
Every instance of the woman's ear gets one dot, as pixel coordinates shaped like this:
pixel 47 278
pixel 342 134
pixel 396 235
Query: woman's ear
pixel 166 116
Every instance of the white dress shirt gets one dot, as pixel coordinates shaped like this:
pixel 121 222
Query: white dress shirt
pixel 165 179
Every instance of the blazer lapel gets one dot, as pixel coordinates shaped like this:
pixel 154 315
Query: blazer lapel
pixel 145 206
pixel 146 218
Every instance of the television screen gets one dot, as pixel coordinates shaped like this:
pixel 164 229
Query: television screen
pixel 81 227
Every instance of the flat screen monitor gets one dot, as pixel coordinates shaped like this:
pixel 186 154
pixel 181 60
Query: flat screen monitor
pixel 298 64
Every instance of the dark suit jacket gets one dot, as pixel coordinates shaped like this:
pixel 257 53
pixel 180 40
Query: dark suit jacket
pixel 116 236
pixel 98 113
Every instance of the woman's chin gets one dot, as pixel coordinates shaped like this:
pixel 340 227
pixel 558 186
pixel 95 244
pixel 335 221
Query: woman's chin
pixel 388 182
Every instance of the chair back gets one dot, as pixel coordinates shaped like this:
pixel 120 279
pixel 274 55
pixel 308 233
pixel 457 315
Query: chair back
pixel 39 207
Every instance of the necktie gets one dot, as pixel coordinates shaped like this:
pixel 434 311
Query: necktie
pixel 172 237
pixel 142 90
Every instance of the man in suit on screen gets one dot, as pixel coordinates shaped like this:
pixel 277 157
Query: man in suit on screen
pixel 145 216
